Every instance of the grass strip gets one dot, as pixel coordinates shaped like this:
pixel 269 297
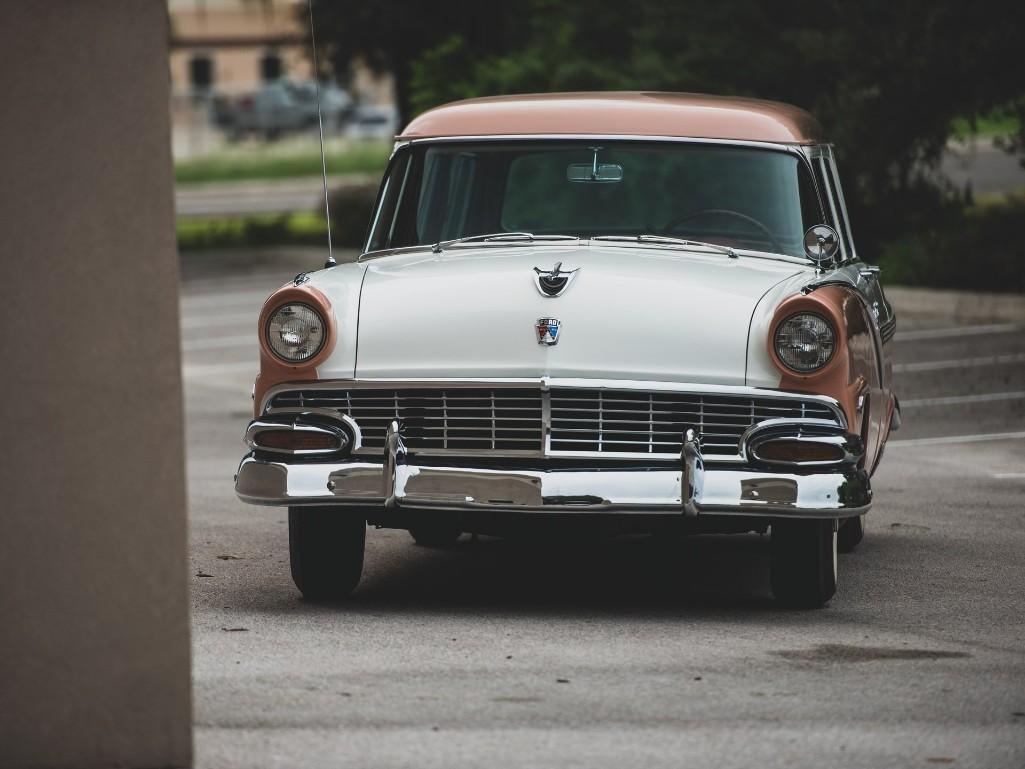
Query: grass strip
pixel 271 164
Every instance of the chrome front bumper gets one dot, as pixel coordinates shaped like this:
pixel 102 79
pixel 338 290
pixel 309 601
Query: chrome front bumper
pixel 692 488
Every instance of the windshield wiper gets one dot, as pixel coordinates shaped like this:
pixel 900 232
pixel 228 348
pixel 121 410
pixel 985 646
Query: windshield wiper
pixel 499 237
pixel 731 253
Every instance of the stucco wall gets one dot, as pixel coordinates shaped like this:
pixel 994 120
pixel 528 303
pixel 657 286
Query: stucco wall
pixel 94 643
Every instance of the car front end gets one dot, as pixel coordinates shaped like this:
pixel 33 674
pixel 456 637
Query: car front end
pixel 519 343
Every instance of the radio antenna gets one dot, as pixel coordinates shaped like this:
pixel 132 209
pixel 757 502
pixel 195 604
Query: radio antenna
pixel 320 125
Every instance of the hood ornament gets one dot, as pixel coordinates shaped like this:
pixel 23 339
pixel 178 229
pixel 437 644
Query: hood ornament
pixel 548 331
pixel 555 281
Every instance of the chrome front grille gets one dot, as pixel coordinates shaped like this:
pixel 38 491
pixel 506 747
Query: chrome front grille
pixel 511 420
pixel 452 420
pixel 642 422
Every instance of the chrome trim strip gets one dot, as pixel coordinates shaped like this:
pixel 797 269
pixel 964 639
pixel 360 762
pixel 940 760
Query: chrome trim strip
pixel 778 146
pixel 888 329
pixel 546 418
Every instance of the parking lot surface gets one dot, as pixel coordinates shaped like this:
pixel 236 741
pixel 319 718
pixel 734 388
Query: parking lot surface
pixel 634 651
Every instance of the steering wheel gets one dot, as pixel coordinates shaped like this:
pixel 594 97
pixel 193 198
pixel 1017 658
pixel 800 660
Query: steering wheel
pixel 672 225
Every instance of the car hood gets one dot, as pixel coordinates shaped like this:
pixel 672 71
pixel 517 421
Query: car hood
pixel 659 314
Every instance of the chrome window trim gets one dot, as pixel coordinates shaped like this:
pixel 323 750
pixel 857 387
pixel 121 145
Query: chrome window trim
pixel 398 202
pixel 545 385
pixel 835 178
pixel 823 175
pixel 378 206
pixel 823 155
pixel 780 146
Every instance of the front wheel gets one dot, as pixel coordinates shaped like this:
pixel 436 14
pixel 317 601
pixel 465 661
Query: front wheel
pixel 804 562
pixel 852 531
pixel 326 547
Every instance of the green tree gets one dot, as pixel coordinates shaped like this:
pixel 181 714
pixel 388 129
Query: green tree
pixel 390 35
pixel 886 79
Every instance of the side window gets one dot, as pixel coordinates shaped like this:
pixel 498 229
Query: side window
pixel 385 217
pixel 811 209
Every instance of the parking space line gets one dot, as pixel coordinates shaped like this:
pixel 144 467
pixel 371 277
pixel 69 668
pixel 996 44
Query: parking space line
pixel 938 365
pixel 978 438
pixel 953 331
pixel 1008 476
pixel 953 400
pixel 215 343
pixel 217 369
pixel 198 301
pixel 206 321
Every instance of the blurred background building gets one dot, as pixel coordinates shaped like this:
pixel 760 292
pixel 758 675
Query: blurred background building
pixel 242 69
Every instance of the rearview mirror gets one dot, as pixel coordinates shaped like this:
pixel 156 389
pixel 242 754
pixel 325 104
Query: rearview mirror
pixel 593 172
pixel 821 243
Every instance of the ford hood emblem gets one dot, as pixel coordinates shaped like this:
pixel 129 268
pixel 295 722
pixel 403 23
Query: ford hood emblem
pixel 548 331
pixel 555 281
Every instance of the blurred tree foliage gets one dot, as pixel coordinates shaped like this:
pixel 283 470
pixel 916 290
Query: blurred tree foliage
pixel 886 78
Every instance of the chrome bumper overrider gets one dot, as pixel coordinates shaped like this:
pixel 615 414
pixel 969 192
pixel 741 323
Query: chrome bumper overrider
pixel 691 488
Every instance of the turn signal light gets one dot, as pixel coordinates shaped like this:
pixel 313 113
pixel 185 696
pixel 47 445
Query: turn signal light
pixel 799 451
pixel 296 440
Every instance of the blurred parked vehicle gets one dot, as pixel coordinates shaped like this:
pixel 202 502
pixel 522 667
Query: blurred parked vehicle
pixel 371 121
pixel 281 107
pixel 335 104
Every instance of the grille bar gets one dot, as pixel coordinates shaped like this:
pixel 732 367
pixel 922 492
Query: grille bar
pixel 513 419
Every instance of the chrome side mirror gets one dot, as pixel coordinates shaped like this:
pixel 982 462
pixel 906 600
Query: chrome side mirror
pixel 821 244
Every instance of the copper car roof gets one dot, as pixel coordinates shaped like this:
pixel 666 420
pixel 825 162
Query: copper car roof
pixel 622 114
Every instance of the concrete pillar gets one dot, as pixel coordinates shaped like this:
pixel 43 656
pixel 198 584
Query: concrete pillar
pixel 94 640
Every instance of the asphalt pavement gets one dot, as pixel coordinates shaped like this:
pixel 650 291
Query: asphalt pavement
pixel 635 651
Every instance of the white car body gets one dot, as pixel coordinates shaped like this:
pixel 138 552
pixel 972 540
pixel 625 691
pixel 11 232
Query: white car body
pixel 468 312
pixel 473 383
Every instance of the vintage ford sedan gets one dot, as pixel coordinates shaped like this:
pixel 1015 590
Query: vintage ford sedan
pixel 625 311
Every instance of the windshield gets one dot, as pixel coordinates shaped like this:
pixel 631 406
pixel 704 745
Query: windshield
pixel 748 198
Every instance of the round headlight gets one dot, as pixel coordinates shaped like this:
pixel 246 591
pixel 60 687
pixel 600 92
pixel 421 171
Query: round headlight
pixel 805 342
pixel 295 332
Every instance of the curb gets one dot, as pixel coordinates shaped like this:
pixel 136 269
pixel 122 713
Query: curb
pixel 955 306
